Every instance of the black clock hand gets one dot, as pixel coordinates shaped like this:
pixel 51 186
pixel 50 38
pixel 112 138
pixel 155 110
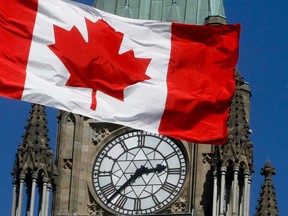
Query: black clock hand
pixel 139 172
pixel 132 178
pixel 159 168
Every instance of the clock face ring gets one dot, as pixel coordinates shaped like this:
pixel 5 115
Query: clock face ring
pixel 139 173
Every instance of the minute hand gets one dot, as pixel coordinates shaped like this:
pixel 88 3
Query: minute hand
pixel 132 178
pixel 139 172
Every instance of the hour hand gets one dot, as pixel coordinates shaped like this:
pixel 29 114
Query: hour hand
pixel 159 168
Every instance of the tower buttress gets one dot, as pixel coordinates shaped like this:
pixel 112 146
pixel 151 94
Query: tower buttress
pixel 233 162
pixel 33 166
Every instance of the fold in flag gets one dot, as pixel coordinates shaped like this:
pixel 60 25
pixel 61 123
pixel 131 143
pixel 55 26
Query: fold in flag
pixel 168 78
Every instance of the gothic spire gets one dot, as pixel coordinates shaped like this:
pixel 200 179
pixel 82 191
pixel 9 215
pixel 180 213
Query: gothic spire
pixel 33 165
pixel 239 148
pixel 233 162
pixel 267 202
pixel 34 153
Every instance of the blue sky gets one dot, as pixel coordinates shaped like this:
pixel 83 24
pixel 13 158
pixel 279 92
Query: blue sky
pixel 262 62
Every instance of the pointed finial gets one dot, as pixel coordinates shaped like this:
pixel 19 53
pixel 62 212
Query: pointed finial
pixel 268 170
pixel 267 202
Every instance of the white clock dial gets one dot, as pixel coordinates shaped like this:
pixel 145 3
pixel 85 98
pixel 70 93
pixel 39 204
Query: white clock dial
pixel 139 173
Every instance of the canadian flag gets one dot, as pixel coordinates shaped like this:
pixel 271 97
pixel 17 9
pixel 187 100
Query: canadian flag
pixel 169 78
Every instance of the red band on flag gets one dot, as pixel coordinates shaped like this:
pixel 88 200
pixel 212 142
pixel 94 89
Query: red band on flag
pixel 16 30
pixel 200 82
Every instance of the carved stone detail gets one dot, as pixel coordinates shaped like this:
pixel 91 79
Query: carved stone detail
pixel 99 134
pixel 95 209
pixel 180 206
pixel 207 158
pixel 68 163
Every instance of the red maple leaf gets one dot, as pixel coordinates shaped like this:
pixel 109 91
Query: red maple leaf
pixel 96 64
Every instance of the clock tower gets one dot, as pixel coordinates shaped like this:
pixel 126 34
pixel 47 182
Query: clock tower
pixel 108 169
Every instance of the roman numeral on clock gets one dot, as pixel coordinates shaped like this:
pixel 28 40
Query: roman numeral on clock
pixel 121 201
pixel 137 205
pixel 123 145
pixel 156 201
pixel 108 189
pixel 174 171
pixel 172 154
pixel 141 140
pixel 170 188
pixel 103 173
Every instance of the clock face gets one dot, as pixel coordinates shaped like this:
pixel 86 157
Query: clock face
pixel 139 173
